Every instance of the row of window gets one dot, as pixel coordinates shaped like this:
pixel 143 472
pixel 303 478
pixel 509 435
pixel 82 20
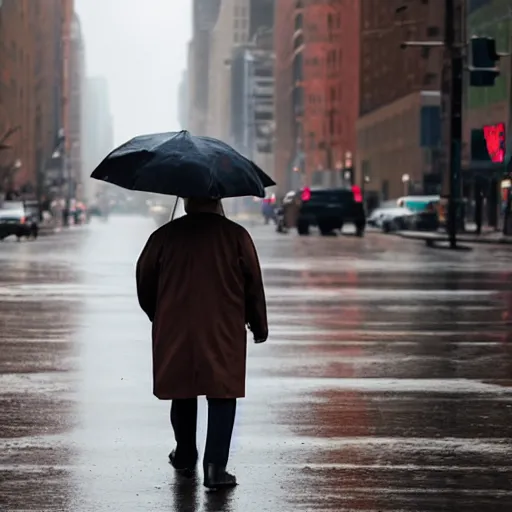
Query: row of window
pixel 403 125
pixel 241 11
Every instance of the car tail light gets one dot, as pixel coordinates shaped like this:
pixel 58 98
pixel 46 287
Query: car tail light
pixel 306 194
pixel 23 220
pixel 358 196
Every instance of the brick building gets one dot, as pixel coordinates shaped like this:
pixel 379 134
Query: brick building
pixel 31 87
pixel 399 94
pixel 317 56
pixel 17 85
pixel 75 121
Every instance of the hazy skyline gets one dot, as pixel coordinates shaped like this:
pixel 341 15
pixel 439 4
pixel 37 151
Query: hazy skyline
pixel 142 52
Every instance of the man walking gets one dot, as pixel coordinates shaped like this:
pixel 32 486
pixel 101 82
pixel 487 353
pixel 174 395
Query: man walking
pixel 199 281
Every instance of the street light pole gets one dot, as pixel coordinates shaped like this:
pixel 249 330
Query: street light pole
pixel 454 50
pixel 454 44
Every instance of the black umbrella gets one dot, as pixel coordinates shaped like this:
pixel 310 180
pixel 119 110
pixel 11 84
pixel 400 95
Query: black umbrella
pixel 184 165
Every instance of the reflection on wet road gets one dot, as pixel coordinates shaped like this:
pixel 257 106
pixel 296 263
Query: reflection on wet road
pixel 386 384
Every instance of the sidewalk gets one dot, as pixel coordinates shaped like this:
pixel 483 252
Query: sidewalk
pixel 52 228
pixel 489 237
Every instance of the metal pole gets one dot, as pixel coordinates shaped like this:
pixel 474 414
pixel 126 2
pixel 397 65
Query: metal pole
pixel 453 46
pixel 508 161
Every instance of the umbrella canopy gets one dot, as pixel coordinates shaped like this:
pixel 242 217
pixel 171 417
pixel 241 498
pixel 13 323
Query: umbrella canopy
pixel 184 165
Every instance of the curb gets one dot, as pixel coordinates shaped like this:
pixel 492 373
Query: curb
pixel 460 238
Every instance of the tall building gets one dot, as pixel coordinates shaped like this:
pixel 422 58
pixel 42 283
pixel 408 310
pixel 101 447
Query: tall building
pixel 286 150
pixel 98 132
pixel 317 55
pixel 398 131
pixel 76 108
pixel 17 85
pixel 205 14
pixel 231 29
pixel 183 101
pixel 33 38
pixel 252 89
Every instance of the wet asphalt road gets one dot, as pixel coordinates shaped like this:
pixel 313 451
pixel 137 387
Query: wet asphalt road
pixel 386 384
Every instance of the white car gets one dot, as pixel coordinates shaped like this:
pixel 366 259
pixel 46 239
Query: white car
pixel 390 219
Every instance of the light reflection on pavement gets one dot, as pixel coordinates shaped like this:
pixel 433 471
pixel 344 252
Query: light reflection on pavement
pixel 386 384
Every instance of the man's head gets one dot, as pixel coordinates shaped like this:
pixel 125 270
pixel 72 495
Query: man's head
pixel 203 205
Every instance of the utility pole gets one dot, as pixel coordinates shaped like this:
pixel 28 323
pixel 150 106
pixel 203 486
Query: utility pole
pixel 454 48
pixel 454 45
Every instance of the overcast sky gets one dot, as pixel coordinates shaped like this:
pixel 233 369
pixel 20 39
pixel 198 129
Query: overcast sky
pixel 140 46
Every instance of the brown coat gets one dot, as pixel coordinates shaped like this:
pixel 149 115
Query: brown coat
pixel 199 281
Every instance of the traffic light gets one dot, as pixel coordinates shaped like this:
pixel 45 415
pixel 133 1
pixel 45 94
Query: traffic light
pixel 479 151
pixel 483 71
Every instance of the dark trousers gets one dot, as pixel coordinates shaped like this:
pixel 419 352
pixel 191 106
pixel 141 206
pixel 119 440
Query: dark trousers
pixel 221 418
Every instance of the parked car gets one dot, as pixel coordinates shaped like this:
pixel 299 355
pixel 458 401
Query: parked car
pixel 390 218
pixel 19 219
pixel 326 208
pixel 417 213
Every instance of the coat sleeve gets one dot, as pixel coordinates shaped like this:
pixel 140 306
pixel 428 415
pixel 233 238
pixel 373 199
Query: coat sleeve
pixel 255 304
pixel 147 275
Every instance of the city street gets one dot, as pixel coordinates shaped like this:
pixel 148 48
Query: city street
pixel 385 385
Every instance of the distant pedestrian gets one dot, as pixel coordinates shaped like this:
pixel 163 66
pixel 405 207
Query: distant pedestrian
pixel 199 281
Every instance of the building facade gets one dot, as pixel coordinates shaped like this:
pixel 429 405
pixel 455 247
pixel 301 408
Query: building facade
pixel 32 89
pixel 183 101
pixel 76 108
pixel 252 106
pixel 317 56
pixel 98 132
pixel 205 14
pixel 285 140
pixel 490 106
pixel 17 85
pixel 230 30
pixel 398 130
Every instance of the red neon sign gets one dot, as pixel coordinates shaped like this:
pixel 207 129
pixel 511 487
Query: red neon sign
pixel 495 140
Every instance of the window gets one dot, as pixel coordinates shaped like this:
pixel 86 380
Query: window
pixel 429 79
pixel 433 31
pixel 332 126
pixel 329 23
pixel 333 94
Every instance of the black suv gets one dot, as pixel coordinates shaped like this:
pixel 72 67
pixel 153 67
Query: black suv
pixel 328 209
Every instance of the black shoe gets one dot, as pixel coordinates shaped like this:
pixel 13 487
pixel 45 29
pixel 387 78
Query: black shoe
pixel 186 470
pixel 216 477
